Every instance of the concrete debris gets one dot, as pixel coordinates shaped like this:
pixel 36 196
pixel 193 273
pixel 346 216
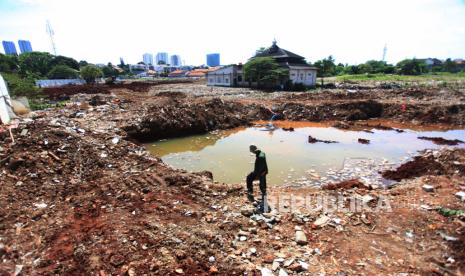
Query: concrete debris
pixel 428 188
pixel 300 237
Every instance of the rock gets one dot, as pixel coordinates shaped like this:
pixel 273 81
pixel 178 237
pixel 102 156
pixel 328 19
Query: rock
pixel 368 199
pixel 179 271
pixel 211 259
pixel 268 259
pixel 288 262
pixel 300 237
pixel 275 266
pixel 428 188
pixel 460 195
pixel 266 272
pixel 247 211
pixel 282 272
pixel 213 269
pixel 321 221
pixel 253 250
pixel 304 265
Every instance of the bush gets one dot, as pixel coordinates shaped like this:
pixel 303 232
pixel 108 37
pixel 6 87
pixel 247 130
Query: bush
pixel 21 87
pixel 62 72
pixel 90 72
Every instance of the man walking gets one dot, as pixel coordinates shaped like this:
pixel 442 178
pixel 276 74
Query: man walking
pixel 260 171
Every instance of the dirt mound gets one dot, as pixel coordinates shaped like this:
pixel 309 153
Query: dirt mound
pixel 446 162
pixel 64 92
pixel 186 118
pixel 77 203
pixel 346 185
pixel 441 141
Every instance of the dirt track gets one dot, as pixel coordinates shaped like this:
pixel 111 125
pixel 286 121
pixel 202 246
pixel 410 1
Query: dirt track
pixel 78 197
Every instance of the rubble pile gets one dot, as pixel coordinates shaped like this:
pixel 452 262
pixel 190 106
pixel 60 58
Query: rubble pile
pixel 79 198
pixel 77 202
pixel 64 92
pixel 432 162
pixel 183 117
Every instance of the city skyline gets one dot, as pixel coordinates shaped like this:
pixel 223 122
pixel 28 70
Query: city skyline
pixel 347 37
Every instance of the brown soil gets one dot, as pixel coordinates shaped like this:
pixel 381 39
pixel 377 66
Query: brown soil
pixel 447 163
pixel 79 198
pixel 346 185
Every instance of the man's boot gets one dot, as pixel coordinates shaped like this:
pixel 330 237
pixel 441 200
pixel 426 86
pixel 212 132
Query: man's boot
pixel 250 197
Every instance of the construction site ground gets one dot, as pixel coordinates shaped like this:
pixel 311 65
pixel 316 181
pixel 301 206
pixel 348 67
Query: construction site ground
pixel 81 196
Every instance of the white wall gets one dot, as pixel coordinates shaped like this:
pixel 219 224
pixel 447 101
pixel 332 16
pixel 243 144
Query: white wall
pixel 221 77
pixel 305 76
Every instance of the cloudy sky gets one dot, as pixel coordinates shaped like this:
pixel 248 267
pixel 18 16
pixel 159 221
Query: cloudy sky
pixel 353 31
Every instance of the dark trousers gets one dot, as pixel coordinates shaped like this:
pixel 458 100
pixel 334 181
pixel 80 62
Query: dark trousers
pixel 251 177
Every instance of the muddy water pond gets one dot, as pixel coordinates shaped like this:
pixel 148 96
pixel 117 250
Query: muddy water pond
pixel 292 160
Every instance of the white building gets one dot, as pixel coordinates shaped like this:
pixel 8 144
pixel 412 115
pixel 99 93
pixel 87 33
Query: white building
pixel 231 75
pixel 300 72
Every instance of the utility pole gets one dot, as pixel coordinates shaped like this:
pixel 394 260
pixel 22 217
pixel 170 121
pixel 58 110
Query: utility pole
pixel 51 33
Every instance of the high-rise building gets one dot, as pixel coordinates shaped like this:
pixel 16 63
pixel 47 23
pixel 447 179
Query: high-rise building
pixel 148 59
pixel 175 60
pixel 25 46
pixel 213 59
pixel 162 58
pixel 9 47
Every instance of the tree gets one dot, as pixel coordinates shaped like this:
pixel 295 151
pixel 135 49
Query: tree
pixel 326 67
pixel 161 62
pixel 90 72
pixel 83 63
pixel 62 60
pixel 109 71
pixel 411 67
pixel 8 63
pixel 37 63
pixel 450 66
pixel 265 71
pixel 62 72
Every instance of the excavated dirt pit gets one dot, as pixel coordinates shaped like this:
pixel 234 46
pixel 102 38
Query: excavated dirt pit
pixel 292 160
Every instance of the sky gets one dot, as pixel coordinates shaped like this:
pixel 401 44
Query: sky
pixel 353 32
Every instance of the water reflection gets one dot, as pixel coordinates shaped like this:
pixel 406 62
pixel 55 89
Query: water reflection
pixel 291 159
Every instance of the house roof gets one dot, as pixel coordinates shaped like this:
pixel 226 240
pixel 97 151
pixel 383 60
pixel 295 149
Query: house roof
pixel 177 73
pixel 276 52
pixel 196 73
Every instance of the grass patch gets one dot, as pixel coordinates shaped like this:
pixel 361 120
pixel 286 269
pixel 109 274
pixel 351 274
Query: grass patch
pixel 437 77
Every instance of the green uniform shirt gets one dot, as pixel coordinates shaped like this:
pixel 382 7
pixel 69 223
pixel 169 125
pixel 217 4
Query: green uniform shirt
pixel 261 167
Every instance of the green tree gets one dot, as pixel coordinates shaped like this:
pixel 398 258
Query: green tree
pixel 265 71
pixel 62 60
pixel 90 72
pixel 83 63
pixel 62 72
pixel 161 62
pixel 326 68
pixel 449 66
pixel 8 63
pixel 411 67
pixel 35 63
